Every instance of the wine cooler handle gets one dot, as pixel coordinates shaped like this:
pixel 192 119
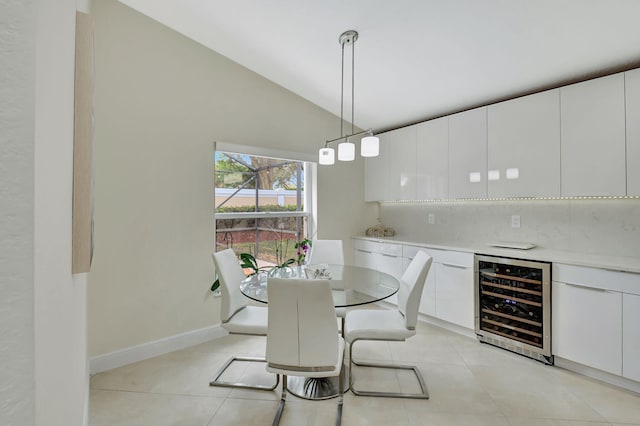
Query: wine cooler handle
pixel 602 290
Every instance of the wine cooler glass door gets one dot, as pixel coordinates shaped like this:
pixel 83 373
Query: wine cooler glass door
pixel 512 303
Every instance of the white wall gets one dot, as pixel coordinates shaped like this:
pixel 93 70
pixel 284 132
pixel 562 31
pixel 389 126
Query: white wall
pixel 61 369
pixel 43 339
pixel 601 226
pixel 161 102
pixel 17 88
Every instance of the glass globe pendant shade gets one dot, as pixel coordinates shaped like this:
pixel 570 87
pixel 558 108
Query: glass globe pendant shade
pixel 346 151
pixel 370 146
pixel 327 156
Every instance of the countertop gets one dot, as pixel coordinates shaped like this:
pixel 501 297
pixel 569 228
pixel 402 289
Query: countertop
pixel 614 263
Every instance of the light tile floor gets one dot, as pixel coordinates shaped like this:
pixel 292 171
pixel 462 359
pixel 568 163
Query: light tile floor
pixel 469 383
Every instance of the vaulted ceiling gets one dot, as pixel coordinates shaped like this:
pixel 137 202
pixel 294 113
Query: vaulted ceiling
pixel 414 59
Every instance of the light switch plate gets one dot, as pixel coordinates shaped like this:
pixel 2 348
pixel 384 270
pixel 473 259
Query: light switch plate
pixel 515 221
pixel 431 218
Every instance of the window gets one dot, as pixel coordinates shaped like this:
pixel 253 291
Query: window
pixel 260 206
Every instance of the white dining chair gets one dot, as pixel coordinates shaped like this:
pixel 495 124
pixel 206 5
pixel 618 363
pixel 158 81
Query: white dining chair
pixel 326 251
pixel 391 325
pixel 329 252
pixel 302 336
pixel 238 317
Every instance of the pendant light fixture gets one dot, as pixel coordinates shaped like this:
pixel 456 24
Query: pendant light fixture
pixel 369 145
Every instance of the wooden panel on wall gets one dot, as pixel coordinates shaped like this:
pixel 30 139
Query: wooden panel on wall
pixel 83 147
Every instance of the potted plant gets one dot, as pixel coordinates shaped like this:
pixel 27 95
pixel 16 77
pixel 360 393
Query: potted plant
pixel 248 261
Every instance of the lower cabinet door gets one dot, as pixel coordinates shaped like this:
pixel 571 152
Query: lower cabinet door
pixel 428 300
pixel 391 265
pixel 364 258
pixel 631 336
pixel 587 326
pixel 454 294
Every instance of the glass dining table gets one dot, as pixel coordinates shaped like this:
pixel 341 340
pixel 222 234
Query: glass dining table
pixel 350 286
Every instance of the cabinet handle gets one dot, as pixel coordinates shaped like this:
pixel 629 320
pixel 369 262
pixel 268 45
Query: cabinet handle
pixel 601 290
pixel 363 251
pixel 453 265
pixel 389 255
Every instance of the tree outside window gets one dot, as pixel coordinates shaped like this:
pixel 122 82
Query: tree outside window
pixel 259 206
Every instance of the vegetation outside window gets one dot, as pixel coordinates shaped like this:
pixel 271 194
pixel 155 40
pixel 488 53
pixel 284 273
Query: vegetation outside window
pixel 259 206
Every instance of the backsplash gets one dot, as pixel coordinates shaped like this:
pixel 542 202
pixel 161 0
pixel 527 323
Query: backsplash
pixel 596 226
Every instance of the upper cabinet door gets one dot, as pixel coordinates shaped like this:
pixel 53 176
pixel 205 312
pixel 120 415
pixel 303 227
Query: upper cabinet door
pixel 632 92
pixel 593 137
pixel 401 161
pixel 376 181
pixel 468 154
pixel 432 168
pixel 524 146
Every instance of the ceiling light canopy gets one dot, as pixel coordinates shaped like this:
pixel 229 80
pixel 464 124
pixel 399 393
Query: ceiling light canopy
pixel 369 145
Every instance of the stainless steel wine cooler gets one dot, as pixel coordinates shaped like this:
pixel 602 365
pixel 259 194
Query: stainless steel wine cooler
pixel 513 305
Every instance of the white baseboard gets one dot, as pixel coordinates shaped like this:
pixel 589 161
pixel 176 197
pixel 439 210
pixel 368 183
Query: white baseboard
pixel 147 350
pixel 435 321
pixel 603 376
pixel 447 325
pixel 593 373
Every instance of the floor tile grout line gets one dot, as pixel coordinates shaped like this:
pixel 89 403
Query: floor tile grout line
pixel 188 395
pixel 215 413
pixel 579 397
pixel 461 348
pixel 484 388
pixel 604 419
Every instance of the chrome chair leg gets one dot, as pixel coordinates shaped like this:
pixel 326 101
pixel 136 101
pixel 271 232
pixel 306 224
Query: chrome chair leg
pixel 423 387
pixel 216 382
pixel 283 399
pixel 340 396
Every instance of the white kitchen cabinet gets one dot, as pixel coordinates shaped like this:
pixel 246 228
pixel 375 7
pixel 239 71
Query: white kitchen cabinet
pixel 448 292
pixel 468 154
pixel 394 259
pixel 454 290
pixel 524 146
pixel 381 256
pixel 365 258
pixel 587 315
pixel 631 336
pixel 593 137
pixel 432 165
pixel 632 98
pixel 392 265
pixel 376 181
pixel 587 327
pixel 401 164
pixel 428 300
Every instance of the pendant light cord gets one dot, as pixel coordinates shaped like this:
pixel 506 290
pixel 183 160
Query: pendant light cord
pixel 346 149
pixel 353 73
pixel 342 94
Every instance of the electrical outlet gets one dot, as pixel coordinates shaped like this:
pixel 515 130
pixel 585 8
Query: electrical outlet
pixel 431 218
pixel 515 221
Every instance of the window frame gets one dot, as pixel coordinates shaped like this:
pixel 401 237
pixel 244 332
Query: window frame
pixel 309 193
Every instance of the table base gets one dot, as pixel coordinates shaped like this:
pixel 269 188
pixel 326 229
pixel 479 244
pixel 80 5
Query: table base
pixel 317 388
